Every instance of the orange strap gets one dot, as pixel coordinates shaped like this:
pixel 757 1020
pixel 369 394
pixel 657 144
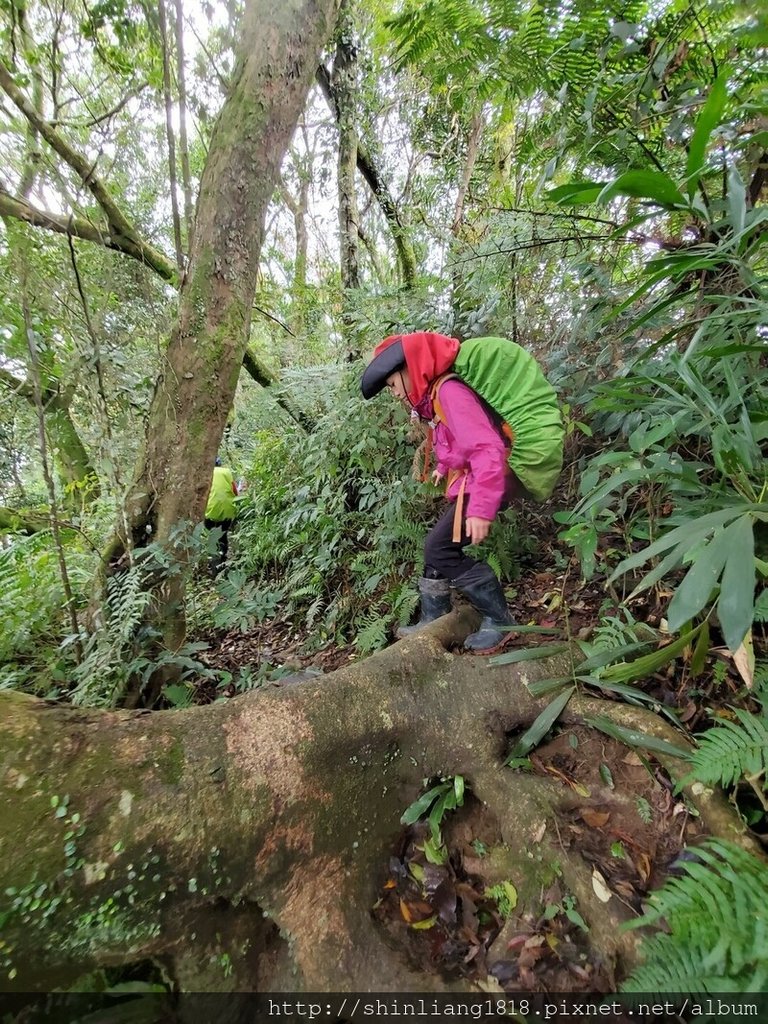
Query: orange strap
pixel 427 454
pixel 459 508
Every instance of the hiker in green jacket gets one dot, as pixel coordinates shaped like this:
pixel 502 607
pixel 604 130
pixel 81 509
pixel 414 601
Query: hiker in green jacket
pixel 220 512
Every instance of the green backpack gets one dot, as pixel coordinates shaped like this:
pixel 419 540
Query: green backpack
pixel 511 381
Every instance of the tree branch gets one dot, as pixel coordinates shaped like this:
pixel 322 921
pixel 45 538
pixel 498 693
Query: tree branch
pixel 123 234
pixel 94 121
pixel 79 227
pixel 19 387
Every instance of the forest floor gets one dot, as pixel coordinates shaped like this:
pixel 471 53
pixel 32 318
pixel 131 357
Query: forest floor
pixel 451 918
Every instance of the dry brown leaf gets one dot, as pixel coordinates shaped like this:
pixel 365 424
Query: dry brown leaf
pixel 595 819
pixel 744 660
pixel 600 886
pixel 538 835
pixel 643 864
pixel 632 758
pixel 405 910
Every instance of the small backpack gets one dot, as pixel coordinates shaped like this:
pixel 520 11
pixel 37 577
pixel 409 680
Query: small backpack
pixel 510 380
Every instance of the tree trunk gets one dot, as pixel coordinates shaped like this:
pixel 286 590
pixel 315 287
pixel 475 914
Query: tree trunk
pixel 343 82
pixel 280 46
pixel 257 832
pixel 370 172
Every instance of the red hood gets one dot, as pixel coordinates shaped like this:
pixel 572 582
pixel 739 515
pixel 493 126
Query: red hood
pixel 427 355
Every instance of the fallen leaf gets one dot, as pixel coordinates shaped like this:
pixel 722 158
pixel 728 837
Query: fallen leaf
pixel 553 942
pixel 595 819
pixel 390 883
pixel 426 923
pixel 581 790
pixel 688 712
pixel 744 660
pixel 632 758
pixel 405 910
pixel 538 835
pixel 643 864
pixel 416 870
pixel 600 887
pixel 444 901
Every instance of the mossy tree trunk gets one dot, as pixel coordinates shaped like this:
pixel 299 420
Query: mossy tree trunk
pixel 242 845
pixel 280 45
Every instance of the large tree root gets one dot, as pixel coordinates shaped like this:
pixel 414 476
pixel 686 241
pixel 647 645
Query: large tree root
pixel 242 845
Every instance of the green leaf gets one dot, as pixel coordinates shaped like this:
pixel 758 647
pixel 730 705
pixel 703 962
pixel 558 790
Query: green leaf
pixel 635 737
pixel 606 776
pixel 444 803
pixel 435 853
pixel 642 667
pixel 419 807
pixel 528 654
pixel 541 726
pixel 576 193
pixel 575 918
pixel 458 788
pixel 700 652
pixel 422 925
pixel 689 531
pixel 644 185
pixel 542 687
pixel 706 122
pixel 603 658
pixel 694 591
pixel 735 607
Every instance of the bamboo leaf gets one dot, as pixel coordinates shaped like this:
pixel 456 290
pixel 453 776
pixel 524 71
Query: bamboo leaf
pixel 635 737
pixel 694 591
pixel 649 663
pixel 543 687
pixel 692 530
pixel 706 122
pixel 528 654
pixel 700 652
pixel 543 723
pixel 736 604
pixel 575 193
pixel 653 185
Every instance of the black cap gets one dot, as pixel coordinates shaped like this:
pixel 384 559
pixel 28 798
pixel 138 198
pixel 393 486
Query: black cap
pixel 380 367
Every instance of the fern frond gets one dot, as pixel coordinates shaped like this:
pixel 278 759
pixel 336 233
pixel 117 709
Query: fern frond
pixel 717 915
pixel 730 750
pixel 373 634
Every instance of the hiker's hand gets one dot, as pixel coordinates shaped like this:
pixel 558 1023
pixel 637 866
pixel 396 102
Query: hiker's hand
pixel 477 528
pixel 437 476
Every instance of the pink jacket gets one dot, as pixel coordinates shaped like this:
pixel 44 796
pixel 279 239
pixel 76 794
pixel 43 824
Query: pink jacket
pixel 470 439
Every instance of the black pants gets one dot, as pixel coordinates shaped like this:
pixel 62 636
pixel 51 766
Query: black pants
pixel 216 563
pixel 443 557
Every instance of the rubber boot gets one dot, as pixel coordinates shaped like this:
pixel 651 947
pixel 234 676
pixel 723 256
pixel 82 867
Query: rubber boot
pixel 435 602
pixel 483 591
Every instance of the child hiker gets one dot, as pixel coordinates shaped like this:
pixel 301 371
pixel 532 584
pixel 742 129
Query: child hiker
pixel 472 443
